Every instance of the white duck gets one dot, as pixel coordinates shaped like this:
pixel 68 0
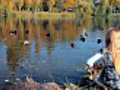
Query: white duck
pixel 26 42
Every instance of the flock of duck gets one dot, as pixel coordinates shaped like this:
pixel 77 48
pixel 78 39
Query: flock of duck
pixel 83 37
pixel 25 42
pixel 14 32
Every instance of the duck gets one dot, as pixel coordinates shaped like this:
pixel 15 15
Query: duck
pixel 84 33
pixel 14 32
pixel 72 45
pixel 83 36
pixel 48 35
pixel 82 39
pixel 26 31
pixel 99 41
pixel 26 42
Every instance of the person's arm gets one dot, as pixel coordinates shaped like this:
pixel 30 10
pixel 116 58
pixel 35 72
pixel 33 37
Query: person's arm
pixel 93 59
pixel 100 54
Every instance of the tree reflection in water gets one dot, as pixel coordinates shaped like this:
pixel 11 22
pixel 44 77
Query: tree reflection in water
pixel 42 47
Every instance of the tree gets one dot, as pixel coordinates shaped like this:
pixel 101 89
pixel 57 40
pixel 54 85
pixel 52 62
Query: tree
pixel 69 3
pixel 84 7
pixel 51 3
pixel 59 4
pixel 20 3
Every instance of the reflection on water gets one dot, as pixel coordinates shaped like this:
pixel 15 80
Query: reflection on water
pixel 49 56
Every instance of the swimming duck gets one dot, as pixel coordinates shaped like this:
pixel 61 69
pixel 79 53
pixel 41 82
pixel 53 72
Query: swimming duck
pixel 26 42
pixel 82 39
pixel 26 31
pixel 99 41
pixel 14 32
pixel 48 35
pixel 83 36
pixel 72 45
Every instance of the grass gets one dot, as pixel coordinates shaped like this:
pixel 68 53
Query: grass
pixel 47 15
pixel 44 15
pixel 115 14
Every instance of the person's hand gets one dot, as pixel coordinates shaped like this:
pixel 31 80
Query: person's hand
pixel 89 69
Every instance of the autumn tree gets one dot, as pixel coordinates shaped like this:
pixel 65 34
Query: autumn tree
pixel 81 6
pixel 3 5
pixel 39 4
pixel 69 3
pixel 84 7
pixel 45 5
pixel 51 3
pixel 20 3
pixel 103 9
pixel 59 4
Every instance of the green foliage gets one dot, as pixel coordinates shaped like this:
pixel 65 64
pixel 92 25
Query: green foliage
pixel 84 7
pixel 104 9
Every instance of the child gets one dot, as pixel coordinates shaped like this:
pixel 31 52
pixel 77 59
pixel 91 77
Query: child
pixel 110 76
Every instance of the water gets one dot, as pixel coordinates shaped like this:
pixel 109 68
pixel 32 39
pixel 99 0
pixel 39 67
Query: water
pixel 48 58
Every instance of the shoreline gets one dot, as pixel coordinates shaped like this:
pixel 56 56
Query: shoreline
pixel 43 15
pixel 30 84
pixel 48 15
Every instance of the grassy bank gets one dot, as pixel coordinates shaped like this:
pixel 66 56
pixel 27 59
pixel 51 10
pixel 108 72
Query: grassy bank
pixel 47 15
pixel 43 15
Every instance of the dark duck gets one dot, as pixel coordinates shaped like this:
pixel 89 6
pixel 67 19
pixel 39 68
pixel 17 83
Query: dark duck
pixel 14 32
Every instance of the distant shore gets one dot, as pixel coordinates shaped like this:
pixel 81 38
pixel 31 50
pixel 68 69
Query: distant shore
pixel 44 15
pixel 47 15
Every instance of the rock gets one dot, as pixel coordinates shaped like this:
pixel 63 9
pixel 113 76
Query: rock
pixel 50 86
pixel 31 83
pixel 72 87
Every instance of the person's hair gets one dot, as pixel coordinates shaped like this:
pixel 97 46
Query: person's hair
pixel 108 36
pixel 110 42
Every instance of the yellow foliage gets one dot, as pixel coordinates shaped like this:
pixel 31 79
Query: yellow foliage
pixel 112 1
pixel 69 3
pixel 5 4
pixel 10 5
pixel 35 3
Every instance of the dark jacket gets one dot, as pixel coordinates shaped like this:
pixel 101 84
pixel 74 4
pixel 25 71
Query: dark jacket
pixel 109 76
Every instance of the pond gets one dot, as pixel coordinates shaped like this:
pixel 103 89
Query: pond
pixel 49 56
